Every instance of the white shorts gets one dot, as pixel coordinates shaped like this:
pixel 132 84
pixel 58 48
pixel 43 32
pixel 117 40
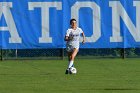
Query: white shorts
pixel 70 48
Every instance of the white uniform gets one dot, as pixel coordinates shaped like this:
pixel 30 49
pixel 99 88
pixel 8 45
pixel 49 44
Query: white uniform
pixel 74 43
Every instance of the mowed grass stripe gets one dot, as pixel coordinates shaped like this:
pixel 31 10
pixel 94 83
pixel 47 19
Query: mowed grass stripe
pixel 47 76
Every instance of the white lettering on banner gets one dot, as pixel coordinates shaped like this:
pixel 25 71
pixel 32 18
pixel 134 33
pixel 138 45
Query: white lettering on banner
pixel 117 12
pixel 96 17
pixel 45 38
pixel 11 27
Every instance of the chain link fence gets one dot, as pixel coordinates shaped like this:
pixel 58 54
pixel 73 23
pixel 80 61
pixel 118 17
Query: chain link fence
pixel 62 53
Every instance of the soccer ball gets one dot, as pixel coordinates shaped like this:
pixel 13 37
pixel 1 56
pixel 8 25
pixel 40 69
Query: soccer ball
pixel 73 70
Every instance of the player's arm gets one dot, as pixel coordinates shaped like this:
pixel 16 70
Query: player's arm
pixel 66 38
pixel 83 35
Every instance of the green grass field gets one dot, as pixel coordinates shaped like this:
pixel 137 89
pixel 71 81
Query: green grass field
pixel 47 76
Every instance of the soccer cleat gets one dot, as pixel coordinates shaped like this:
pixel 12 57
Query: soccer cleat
pixel 67 71
pixel 70 71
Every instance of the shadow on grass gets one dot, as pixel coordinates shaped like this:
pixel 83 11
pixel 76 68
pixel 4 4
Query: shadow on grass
pixel 121 89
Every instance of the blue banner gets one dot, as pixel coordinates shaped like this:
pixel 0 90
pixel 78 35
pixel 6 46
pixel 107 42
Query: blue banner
pixel 26 24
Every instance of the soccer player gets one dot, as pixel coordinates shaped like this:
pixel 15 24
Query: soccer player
pixel 72 42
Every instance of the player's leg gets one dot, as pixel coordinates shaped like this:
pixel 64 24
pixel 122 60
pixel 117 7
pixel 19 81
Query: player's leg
pixel 69 58
pixel 75 51
pixel 73 55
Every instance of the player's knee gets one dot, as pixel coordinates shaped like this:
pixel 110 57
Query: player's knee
pixel 73 56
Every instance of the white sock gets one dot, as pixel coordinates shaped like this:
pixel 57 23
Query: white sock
pixel 70 64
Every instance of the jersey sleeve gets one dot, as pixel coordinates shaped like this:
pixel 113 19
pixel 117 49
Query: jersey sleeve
pixel 81 31
pixel 67 33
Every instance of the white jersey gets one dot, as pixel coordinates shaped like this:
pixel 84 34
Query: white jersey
pixel 76 36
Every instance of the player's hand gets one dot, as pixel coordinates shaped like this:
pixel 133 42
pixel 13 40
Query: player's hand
pixel 83 41
pixel 70 37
